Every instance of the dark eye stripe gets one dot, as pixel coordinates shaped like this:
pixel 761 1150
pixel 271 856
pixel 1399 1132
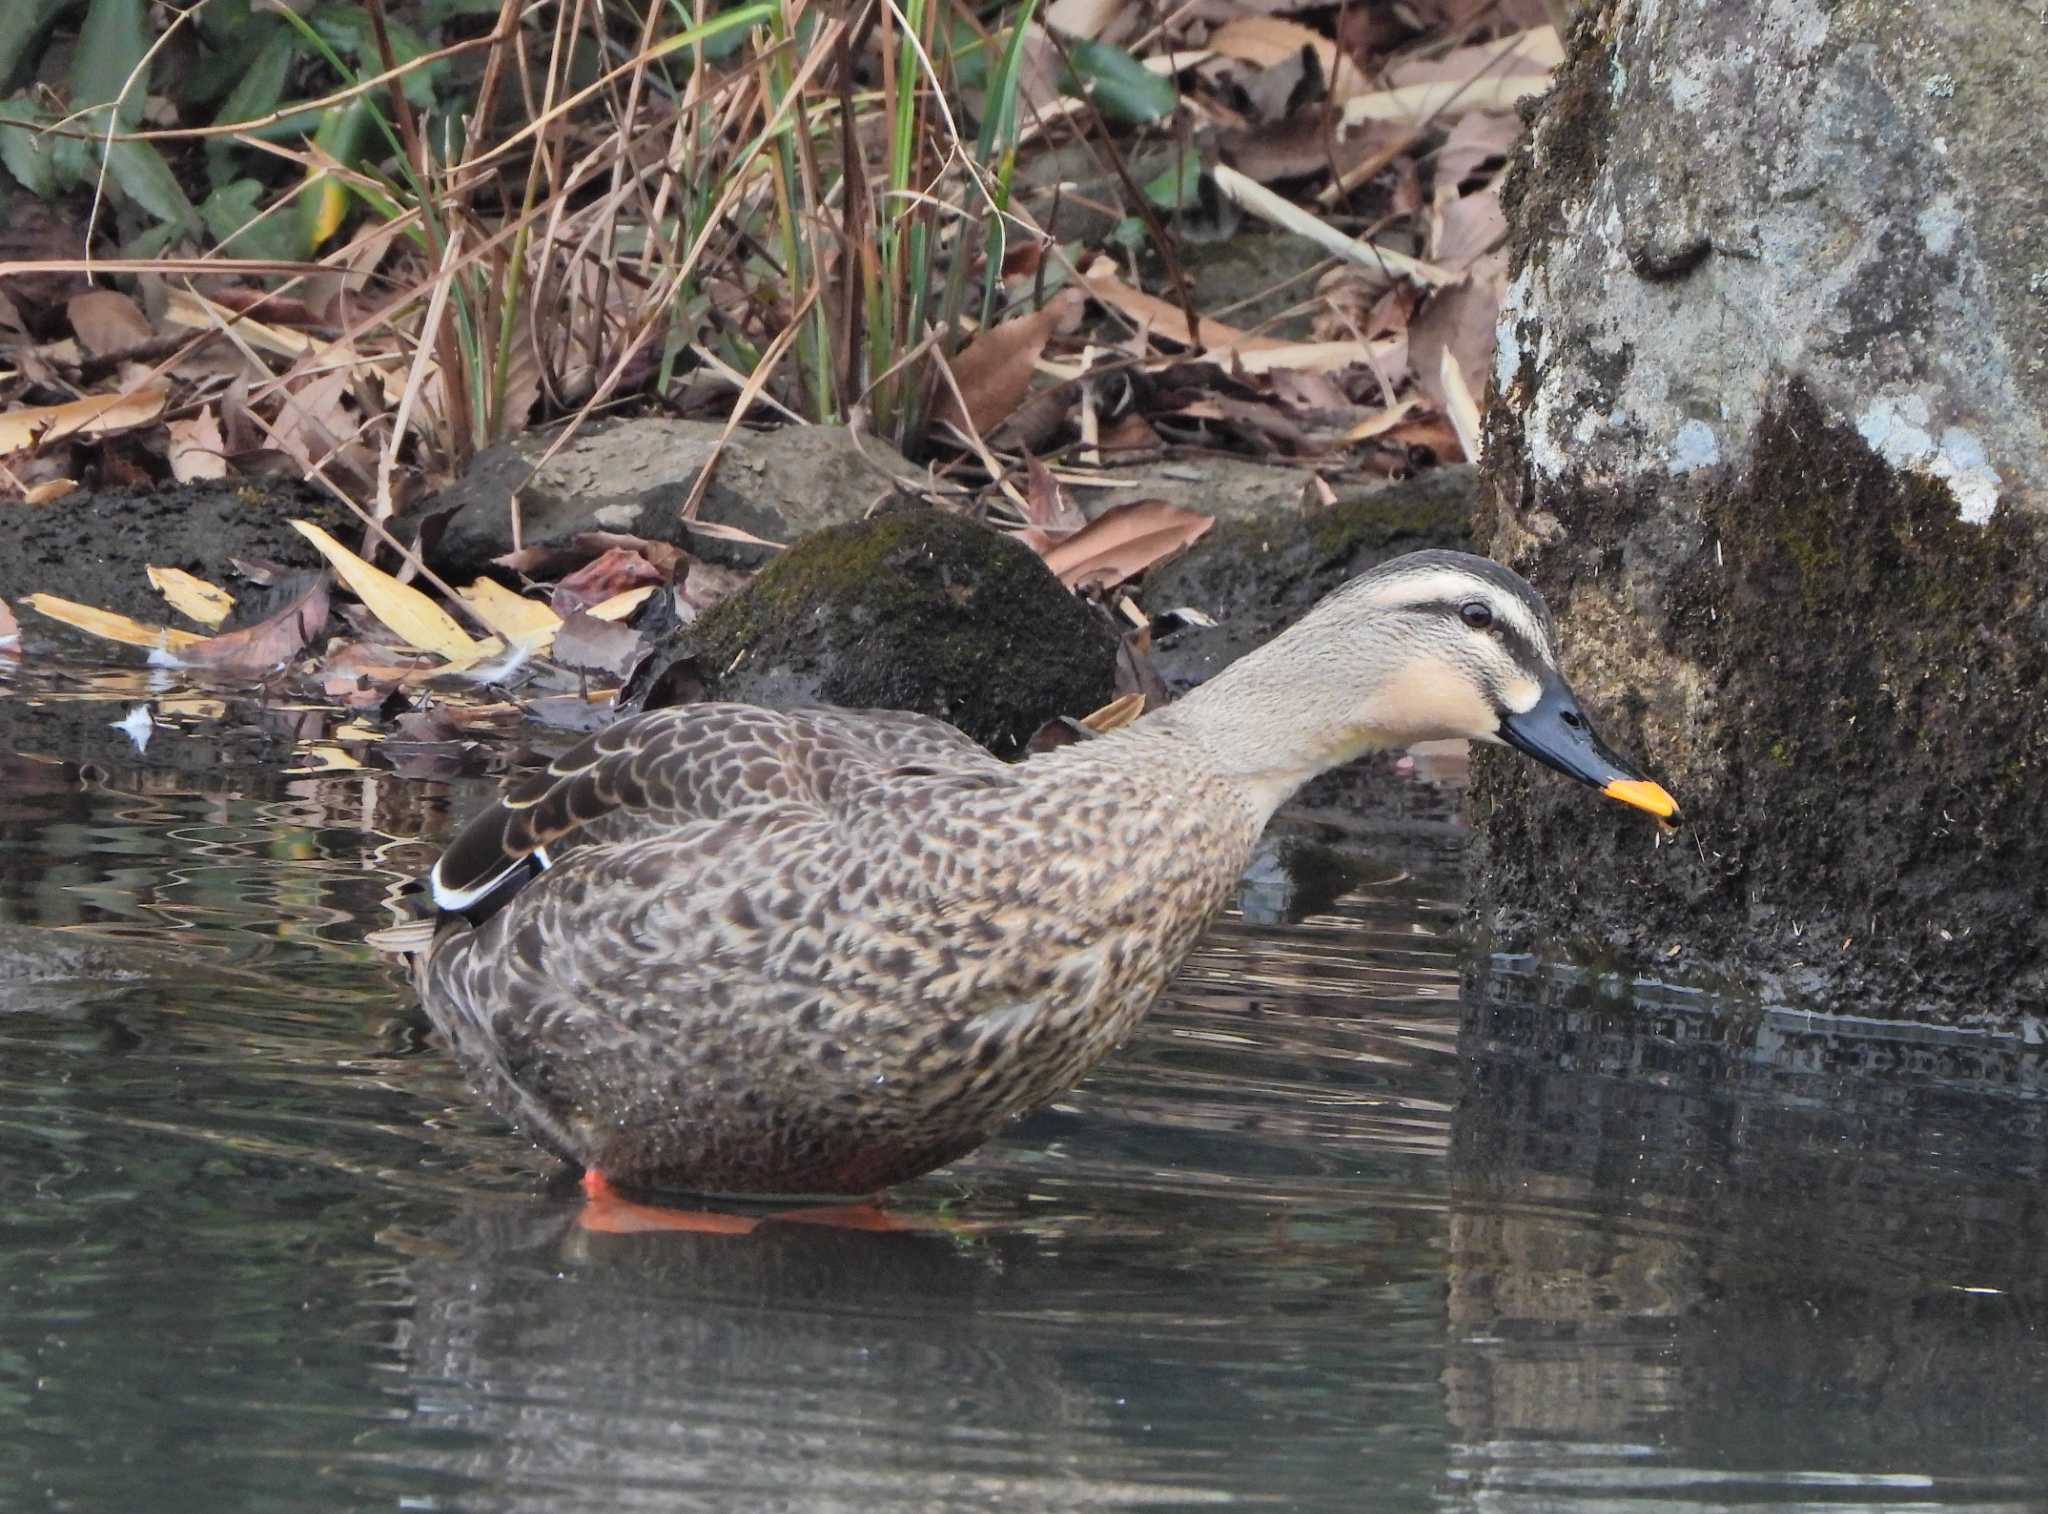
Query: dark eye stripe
pixel 1511 633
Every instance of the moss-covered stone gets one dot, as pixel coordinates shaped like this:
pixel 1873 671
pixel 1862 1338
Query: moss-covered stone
pixel 1257 574
pixel 919 610
pixel 1858 747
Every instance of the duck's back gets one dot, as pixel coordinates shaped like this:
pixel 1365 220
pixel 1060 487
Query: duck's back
pixel 738 950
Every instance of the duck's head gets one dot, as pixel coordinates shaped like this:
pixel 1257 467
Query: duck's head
pixel 1425 647
pixel 1467 649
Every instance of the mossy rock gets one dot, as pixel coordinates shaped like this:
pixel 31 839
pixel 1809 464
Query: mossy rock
pixel 1256 575
pixel 913 610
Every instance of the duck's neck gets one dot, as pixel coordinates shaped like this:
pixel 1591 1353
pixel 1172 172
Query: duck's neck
pixel 1274 719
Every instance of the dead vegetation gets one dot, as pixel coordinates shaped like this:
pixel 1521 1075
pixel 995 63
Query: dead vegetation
pixel 985 236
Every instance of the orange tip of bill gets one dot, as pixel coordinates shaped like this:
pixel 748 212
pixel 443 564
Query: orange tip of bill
pixel 1644 795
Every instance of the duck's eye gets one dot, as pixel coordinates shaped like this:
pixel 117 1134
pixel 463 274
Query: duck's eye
pixel 1476 613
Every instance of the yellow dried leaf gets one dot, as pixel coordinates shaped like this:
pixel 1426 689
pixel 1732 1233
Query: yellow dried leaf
pixel 112 627
pixel 324 757
pixel 49 491
pixel 521 621
pixel 1459 405
pixel 620 605
pixel 192 596
pixel 405 611
pixel 93 416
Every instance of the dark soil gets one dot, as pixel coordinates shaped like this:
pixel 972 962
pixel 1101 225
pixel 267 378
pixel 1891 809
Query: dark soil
pixel 95 548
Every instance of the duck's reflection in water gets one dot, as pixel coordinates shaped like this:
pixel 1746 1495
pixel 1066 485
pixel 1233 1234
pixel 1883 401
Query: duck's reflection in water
pixel 797 1366
pixel 1716 1257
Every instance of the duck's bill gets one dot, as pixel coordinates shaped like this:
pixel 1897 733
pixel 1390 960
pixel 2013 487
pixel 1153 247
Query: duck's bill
pixel 1558 735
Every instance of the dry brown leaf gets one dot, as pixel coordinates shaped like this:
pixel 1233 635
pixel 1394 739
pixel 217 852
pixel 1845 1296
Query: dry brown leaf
pixel 609 575
pixel 96 415
pixel 1385 421
pixel 410 615
pixel 49 491
pixel 112 627
pixel 197 451
pixel 1478 139
pixel 270 642
pixel 597 646
pixel 1465 228
pixel 105 320
pixel 190 595
pixel 1268 41
pixel 1460 320
pixel 1122 541
pixel 993 371
pixel 1046 505
pixel 1164 318
pixel 1492 76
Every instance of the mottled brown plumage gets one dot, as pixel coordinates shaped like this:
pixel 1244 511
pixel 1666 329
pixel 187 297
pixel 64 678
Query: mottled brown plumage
pixel 734 950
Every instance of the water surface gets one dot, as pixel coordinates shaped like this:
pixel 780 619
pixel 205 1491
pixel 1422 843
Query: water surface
pixel 1355 1223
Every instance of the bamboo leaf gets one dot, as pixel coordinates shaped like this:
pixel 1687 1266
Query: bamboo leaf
pixel 112 627
pixel 191 595
pixel 1122 87
pixel 404 610
pixel 112 43
pixel 23 153
pixel 147 179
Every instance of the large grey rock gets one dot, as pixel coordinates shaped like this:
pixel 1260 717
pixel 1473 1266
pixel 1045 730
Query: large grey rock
pixel 633 476
pixel 1768 432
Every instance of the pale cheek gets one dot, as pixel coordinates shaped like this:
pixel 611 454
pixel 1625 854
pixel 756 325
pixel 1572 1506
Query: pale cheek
pixel 1432 701
pixel 1520 695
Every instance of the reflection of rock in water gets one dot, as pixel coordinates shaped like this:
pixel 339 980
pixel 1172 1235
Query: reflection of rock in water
pixel 1726 1244
pixel 798 1367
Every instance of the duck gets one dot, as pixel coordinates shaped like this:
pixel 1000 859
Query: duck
pixel 726 950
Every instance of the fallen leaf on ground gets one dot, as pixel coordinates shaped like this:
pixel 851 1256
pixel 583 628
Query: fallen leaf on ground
pixel 608 576
pixel 1267 41
pixel 49 491
pixel 270 642
pixel 191 596
pixel 197 451
pixel 1475 141
pixel 521 621
pixel 619 606
pixel 1165 318
pixel 993 372
pixel 112 627
pixel 707 585
pixel 1122 541
pixel 1046 505
pixel 96 415
pixel 105 320
pixel 1464 228
pixel 1460 407
pixel 405 611
pixel 1460 320
pixel 597 646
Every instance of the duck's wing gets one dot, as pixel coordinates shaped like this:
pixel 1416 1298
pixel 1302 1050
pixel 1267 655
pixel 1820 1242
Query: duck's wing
pixel 664 769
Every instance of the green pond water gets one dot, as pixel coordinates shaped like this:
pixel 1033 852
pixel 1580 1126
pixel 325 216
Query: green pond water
pixel 1356 1222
